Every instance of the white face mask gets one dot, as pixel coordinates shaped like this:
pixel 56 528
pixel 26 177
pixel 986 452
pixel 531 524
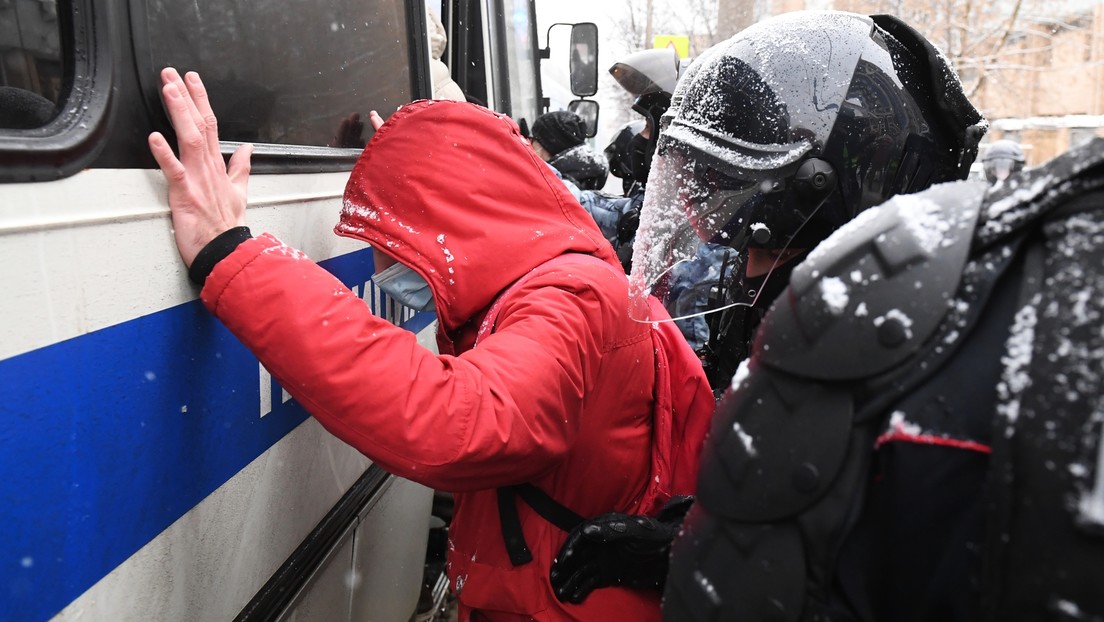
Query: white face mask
pixel 406 287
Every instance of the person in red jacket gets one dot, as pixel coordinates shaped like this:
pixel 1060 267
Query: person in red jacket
pixel 560 392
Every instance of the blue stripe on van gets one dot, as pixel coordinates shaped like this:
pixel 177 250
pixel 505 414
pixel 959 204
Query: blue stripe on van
pixel 108 438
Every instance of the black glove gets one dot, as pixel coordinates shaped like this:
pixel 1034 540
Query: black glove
pixel 617 549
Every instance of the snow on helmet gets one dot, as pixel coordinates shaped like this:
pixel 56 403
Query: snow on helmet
pixel 779 135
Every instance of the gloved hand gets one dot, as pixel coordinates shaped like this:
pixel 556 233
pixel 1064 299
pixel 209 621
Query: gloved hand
pixel 617 549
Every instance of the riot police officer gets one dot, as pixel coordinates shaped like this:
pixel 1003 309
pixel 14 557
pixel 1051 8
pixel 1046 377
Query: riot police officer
pixel 1002 159
pixel 773 140
pixel 916 434
pixel 650 77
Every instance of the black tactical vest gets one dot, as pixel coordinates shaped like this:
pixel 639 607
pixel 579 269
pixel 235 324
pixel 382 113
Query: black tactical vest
pixel 917 435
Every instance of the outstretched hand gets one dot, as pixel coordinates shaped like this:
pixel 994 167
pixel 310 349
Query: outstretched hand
pixel 206 196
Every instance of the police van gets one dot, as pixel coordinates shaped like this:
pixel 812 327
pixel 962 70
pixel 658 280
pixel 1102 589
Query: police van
pixel 151 468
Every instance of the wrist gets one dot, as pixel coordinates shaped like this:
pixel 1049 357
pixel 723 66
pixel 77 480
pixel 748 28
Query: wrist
pixel 215 251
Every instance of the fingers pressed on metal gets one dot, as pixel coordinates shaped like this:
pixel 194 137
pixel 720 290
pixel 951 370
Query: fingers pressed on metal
pixel 167 95
pixel 209 122
pixel 166 159
pixel 240 164
pixel 181 107
pixel 189 102
pixel 181 113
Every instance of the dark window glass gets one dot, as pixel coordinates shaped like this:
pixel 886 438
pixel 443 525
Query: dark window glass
pixel 31 68
pixel 288 71
pixel 467 54
pixel 521 60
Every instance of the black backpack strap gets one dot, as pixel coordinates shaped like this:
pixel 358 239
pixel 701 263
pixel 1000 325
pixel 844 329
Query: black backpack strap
pixel 548 508
pixel 544 505
pixel 512 536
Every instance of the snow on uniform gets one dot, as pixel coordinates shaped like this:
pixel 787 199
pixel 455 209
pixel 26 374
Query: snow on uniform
pixel 918 435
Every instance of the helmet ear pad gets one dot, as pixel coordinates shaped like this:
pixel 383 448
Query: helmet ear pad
pixel 814 180
pixel 788 216
pixel 811 189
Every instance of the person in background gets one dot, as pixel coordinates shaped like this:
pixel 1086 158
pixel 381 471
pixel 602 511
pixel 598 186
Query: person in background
pixel 559 138
pixel 544 388
pixel 617 154
pixel 444 87
pixel 21 109
pixel 1002 159
pixel 561 130
pixel 650 77
pixel 774 139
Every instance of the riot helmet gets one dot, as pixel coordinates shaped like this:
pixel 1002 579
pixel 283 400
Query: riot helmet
pixel 1001 160
pixel 786 131
pixel 617 153
pixel 650 76
pixel 780 135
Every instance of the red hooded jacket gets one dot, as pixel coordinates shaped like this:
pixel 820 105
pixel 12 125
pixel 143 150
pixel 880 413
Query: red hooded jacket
pixel 559 395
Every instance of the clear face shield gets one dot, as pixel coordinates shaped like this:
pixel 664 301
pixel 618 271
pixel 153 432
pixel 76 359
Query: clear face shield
pixel 999 169
pixel 715 225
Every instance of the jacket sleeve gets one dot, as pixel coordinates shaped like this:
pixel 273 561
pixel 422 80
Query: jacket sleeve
pixel 499 414
pixel 606 211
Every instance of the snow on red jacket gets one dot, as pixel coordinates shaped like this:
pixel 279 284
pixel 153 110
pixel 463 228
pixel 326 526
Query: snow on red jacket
pixel 560 395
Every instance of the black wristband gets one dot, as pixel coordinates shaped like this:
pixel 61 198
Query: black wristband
pixel 215 251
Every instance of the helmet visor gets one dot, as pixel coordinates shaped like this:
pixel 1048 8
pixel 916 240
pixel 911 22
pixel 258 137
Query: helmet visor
pixel 999 169
pixel 749 113
pixel 707 205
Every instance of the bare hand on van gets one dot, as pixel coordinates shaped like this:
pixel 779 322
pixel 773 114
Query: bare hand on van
pixel 206 196
pixel 377 120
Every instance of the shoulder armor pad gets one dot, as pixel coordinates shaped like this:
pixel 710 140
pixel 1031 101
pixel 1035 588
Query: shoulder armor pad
pixel 873 292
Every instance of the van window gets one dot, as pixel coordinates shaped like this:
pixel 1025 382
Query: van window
pixel 31 67
pixel 287 71
pixel 521 60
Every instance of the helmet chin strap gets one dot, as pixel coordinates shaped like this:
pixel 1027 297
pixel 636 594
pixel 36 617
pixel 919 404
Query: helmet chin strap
pixel 732 329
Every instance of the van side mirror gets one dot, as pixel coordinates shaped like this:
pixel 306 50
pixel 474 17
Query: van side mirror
pixel 583 65
pixel 587 109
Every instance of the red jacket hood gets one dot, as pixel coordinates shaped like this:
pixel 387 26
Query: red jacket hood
pixel 454 191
